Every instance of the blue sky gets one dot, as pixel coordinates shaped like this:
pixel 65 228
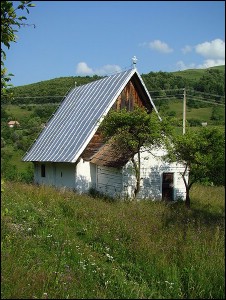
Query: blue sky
pixel 80 38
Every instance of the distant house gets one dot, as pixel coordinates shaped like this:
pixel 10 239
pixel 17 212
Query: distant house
pixel 71 153
pixel 13 124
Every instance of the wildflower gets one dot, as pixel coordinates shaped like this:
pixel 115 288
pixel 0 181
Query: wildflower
pixel 106 283
pixel 110 258
pixel 170 284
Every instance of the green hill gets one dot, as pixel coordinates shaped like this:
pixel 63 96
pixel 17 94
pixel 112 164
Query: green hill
pixel 48 91
pixel 195 74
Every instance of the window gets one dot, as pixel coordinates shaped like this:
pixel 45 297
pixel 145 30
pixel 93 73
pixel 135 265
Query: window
pixel 43 170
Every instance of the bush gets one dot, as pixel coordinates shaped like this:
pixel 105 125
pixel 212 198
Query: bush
pixel 194 122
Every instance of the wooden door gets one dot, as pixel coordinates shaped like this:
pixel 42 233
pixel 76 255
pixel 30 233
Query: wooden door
pixel 167 186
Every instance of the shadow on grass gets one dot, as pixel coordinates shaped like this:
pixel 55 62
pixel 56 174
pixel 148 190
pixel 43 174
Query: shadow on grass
pixel 178 214
pixel 101 196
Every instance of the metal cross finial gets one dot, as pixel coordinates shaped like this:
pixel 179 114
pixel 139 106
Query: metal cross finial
pixel 134 59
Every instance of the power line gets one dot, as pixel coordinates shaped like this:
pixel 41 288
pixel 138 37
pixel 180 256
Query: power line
pixel 34 97
pixel 191 90
pixel 189 98
pixel 198 99
pixel 166 97
pixel 207 93
pixel 181 89
pixel 156 98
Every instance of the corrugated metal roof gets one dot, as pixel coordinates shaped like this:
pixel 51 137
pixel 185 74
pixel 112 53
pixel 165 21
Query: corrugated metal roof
pixel 77 119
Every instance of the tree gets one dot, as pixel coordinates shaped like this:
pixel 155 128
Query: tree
pixel 130 131
pixel 10 23
pixel 202 151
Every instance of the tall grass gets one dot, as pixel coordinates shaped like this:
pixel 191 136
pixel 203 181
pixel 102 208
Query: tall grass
pixel 60 245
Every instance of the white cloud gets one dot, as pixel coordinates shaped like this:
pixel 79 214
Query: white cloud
pixel 108 69
pixel 208 63
pixel 186 49
pixel 83 69
pixel 212 50
pixel 160 46
pixel 144 44
pixel 182 66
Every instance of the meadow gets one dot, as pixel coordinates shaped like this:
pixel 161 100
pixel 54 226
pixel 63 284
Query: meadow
pixel 56 244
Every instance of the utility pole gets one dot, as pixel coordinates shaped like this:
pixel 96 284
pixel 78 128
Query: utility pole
pixel 184 111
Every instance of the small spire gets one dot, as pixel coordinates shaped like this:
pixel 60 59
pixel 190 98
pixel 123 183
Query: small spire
pixel 134 59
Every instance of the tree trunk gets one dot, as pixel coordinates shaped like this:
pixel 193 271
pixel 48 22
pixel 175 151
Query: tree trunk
pixel 137 188
pixel 187 199
pixel 137 174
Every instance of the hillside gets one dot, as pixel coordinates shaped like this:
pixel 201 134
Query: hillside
pixel 52 91
pixel 48 91
pixel 195 74
pixel 61 245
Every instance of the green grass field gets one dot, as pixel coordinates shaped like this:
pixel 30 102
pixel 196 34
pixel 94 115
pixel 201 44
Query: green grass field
pixel 61 245
pixel 17 113
pixel 203 114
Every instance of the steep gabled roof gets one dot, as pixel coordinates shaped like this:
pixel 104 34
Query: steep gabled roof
pixel 78 117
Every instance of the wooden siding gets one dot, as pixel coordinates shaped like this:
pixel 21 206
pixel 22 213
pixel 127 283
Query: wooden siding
pixel 56 174
pixel 93 147
pixel 128 98
pixel 131 97
pixel 109 181
pixel 121 181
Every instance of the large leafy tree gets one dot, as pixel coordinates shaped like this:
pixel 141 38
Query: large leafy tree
pixel 202 152
pixel 132 131
pixel 11 21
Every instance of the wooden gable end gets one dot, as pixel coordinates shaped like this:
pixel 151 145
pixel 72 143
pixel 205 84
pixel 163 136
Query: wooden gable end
pixel 132 95
pixel 93 147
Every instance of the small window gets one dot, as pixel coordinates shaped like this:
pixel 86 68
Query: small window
pixel 43 170
pixel 61 174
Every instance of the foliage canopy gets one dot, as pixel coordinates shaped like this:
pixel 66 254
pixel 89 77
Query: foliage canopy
pixel 203 153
